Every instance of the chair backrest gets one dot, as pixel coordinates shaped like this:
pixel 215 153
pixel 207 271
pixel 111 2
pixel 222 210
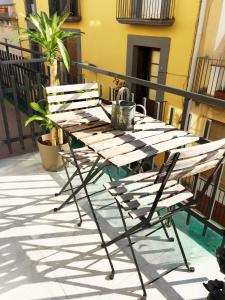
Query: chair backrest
pixel 197 159
pixel 190 161
pixel 74 96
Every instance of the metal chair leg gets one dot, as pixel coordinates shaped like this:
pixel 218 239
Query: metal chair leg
pixel 133 253
pixel 171 239
pixel 97 178
pixel 68 200
pixel 66 184
pixel 74 197
pixel 190 269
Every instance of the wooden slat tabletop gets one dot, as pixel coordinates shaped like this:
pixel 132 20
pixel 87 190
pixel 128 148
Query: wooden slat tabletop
pixel 120 148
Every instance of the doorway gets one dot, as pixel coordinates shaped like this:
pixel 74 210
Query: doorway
pixel 148 69
pixel 147 58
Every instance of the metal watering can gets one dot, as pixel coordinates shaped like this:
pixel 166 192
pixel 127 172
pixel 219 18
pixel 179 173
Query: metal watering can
pixel 123 111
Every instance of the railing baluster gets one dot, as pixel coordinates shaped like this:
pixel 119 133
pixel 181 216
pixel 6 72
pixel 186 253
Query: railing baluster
pixel 189 121
pixel 207 128
pixel 157 110
pixel 5 120
pixel 41 95
pixel 185 114
pixel 222 202
pixel 171 119
pixel 213 198
pixel 111 94
pixel 100 90
pixel 30 112
pixel 144 101
pixel 18 117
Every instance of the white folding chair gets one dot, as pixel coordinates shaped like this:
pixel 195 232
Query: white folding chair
pixel 63 100
pixel 155 196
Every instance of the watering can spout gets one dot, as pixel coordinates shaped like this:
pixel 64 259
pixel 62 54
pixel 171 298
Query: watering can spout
pixel 123 94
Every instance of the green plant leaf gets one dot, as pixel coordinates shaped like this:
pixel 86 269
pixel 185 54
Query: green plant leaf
pixel 64 54
pixel 35 19
pixel 34 118
pixel 50 36
pixel 62 19
pixel 36 107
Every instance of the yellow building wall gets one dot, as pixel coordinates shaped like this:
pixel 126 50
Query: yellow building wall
pixel 104 42
pixel 21 15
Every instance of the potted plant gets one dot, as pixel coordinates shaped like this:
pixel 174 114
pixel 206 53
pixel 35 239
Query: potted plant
pixel 51 160
pixel 50 37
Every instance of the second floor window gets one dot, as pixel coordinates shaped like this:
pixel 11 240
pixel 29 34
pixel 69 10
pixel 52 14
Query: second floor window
pixel 30 7
pixel 62 6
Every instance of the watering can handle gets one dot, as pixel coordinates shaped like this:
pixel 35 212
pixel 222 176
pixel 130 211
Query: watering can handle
pixel 144 109
pixel 120 94
pixel 144 112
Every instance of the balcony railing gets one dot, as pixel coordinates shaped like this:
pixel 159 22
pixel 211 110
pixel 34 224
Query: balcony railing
pixel 148 12
pixel 63 6
pixel 210 77
pixel 18 82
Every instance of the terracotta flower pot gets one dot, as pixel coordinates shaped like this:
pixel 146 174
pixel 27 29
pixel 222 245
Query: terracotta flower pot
pixel 51 160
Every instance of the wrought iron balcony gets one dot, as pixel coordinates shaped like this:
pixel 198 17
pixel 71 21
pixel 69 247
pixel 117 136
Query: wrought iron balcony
pixel 63 6
pixel 146 12
pixel 210 77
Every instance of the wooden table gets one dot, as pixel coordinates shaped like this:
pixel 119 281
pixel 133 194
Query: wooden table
pixel 118 147
pixel 115 147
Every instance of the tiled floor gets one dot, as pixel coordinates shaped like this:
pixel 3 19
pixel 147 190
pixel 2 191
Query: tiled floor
pixel 44 255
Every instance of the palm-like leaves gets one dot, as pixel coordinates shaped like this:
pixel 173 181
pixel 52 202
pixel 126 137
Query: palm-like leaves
pixel 45 122
pixel 50 36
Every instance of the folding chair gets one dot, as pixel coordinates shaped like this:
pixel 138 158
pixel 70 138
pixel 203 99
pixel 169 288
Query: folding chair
pixel 65 99
pixel 155 196
pixel 68 104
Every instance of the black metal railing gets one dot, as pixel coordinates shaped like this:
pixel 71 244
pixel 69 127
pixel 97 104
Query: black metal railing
pixel 211 207
pixel 61 7
pixel 35 90
pixel 210 77
pixel 152 12
pixel 20 71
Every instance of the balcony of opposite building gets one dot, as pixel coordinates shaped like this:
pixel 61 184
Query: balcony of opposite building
pixel 146 12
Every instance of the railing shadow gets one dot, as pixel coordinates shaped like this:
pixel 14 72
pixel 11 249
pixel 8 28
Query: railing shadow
pixel 41 248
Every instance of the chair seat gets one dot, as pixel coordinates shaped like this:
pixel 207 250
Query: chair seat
pixel 136 193
pixel 85 157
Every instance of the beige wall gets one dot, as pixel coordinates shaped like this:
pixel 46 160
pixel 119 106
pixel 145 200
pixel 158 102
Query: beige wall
pixel 211 28
pixel 9 32
pixel 212 45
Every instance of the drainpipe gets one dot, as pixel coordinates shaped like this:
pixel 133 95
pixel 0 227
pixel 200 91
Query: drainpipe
pixel 201 19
